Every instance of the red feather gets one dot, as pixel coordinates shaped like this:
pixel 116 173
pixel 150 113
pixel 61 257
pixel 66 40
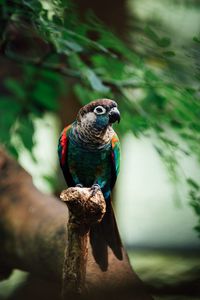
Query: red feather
pixel 64 142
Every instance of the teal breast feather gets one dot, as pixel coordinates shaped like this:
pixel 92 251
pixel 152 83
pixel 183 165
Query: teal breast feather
pixel 91 166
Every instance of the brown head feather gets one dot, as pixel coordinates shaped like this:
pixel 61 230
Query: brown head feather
pixel 107 103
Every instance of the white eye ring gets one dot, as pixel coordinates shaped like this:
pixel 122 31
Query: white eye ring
pixel 99 110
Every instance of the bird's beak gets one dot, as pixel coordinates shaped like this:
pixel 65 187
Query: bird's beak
pixel 114 115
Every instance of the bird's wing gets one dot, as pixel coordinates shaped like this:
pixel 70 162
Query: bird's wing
pixel 62 153
pixel 115 159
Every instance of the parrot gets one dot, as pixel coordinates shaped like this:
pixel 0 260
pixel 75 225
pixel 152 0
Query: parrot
pixel 89 156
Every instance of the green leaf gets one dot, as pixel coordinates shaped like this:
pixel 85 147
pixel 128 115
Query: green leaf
pixel 85 94
pixel 151 34
pixel 193 184
pixel 34 5
pixel 13 150
pixel 26 132
pixel 46 96
pixel 169 53
pixel 15 87
pixel 50 77
pixel 151 76
pixel 116 69
pixel 164 42
pixel 9 111
pixel 8 104
pixel 95 81
pixel 169 142
pixel 52 180
pixel 196 39
pixel 74 46
pixel 53 9
pixel 161 42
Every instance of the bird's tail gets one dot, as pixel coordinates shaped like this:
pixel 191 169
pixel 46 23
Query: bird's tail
pixel 103 235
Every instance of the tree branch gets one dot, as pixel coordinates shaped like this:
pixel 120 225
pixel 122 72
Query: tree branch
pixel 33 238
pixel 85 209
pixel 62 69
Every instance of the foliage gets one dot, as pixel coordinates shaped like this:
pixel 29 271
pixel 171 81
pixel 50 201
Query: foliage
pixel 153 90
pixel 194 195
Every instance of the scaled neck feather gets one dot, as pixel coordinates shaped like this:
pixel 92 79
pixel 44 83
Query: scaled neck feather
pixel 87 136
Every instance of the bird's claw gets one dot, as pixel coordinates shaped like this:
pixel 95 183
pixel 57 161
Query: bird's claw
pixel 95 188
pixel 79 185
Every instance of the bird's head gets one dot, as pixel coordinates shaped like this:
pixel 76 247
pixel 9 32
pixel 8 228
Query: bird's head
pixel 99 114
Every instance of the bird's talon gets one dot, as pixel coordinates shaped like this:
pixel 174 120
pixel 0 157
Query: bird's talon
pixel 79 185
pixel 95 188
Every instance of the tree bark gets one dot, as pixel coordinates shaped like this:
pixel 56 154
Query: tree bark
pixel 85 209
pixel 33 238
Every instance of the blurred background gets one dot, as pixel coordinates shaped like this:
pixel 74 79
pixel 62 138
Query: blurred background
pixel 56 57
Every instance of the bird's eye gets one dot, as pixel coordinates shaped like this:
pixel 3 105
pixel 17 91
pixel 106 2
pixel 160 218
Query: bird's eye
pixel 99 110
